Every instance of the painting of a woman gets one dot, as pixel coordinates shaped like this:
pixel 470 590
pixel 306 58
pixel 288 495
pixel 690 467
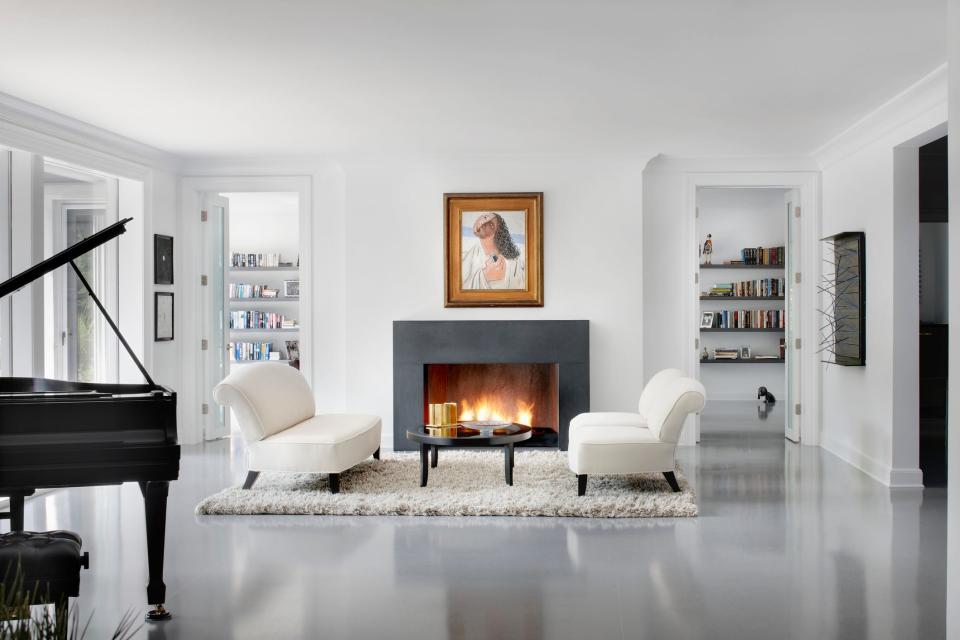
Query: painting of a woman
pixel 491 257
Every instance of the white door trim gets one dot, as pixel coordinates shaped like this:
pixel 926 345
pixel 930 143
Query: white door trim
pixel 189 267
pixel 808 183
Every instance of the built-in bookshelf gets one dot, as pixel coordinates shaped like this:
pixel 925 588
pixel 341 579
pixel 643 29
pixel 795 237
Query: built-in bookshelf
pixel 262 317
pixel 747 319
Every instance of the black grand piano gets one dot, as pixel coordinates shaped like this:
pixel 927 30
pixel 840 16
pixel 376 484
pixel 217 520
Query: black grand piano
pixel 56 433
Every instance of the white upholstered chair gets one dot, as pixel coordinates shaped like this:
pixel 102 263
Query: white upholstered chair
pixel 642 442
pixel 274 407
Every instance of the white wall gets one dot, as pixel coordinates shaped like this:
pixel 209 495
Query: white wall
pixel 593 239
pixel 870 413
pixel 265 222
pixel 953 402
pixel 738 218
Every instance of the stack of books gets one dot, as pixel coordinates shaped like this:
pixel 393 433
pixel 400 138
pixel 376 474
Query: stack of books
pixel 726 353
pixel 241 290
pixel 258 260
pixel 259 320
pixel 770 255
pixel 749 319
pixel 763 287
pixel 721 290
pixel 249 351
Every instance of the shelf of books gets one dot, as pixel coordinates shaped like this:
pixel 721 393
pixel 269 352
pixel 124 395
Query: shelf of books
pixel 750 318
pixel 252 309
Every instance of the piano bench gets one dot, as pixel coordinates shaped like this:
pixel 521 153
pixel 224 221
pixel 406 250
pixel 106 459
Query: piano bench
pixel 48 562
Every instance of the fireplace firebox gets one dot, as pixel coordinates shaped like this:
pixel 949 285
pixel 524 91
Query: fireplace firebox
pixel 532 372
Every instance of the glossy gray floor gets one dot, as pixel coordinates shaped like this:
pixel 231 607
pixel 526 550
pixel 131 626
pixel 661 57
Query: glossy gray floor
pixel 791 543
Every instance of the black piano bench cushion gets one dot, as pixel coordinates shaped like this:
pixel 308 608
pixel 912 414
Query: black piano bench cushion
pixel 49 563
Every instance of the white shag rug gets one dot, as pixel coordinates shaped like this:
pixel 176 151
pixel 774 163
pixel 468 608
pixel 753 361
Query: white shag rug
pixel 465 483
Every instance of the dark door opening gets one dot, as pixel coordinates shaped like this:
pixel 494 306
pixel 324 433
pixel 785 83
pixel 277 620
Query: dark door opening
pixel 934 292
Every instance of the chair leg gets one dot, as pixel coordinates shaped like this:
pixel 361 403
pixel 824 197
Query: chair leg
pixel 582 484
pixel 672 480
pixel 334 482
pixel 251 478
pixel 376 454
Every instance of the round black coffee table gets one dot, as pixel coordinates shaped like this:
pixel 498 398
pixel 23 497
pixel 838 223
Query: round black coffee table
pixel 481 434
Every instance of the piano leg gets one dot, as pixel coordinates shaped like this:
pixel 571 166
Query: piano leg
pixel 16 513
pixel 155 508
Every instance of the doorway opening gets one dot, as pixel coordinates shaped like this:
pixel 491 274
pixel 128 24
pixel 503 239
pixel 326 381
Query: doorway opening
pixel 252 299
pixel 934 298
pixel 748 302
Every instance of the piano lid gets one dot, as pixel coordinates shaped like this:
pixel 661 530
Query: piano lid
pixel 67 256
pixel 72 252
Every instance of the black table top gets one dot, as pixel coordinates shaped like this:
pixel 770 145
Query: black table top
pixel 475 436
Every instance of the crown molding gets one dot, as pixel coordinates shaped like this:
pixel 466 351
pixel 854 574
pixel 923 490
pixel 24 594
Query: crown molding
pixel 926 95
pixel 30 127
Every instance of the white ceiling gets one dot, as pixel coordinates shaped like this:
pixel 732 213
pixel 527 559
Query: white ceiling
pixel 298 77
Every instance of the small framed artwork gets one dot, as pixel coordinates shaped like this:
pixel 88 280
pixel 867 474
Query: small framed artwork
pixel 162 316
pixel 291 288
pixel 493 249
pixel 162 259
pixel 706 320
pixel 745 353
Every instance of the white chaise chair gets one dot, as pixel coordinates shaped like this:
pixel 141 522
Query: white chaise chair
pixel 275 410
pixel 642 442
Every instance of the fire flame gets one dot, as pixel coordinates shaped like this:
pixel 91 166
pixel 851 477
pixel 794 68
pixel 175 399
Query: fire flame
pixel 485 408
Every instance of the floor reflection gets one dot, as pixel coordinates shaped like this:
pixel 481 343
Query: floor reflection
pixel 791 542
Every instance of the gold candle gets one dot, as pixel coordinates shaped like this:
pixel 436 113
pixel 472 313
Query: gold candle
pixel 451 412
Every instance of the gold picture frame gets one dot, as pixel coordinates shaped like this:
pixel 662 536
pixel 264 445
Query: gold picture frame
pixel 493 249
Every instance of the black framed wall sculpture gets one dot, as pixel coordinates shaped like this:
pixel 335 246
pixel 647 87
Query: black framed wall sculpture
pixel 162 259
pixel 843 336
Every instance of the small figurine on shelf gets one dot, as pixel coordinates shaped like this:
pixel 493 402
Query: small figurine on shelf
pixel 704 355
pixel 708 250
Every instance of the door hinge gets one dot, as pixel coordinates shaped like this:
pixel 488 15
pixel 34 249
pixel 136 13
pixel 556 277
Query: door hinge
pixel 203 215
pixel 796 212
pixel 796 408
pixel 696 343
pixel 797 277
pixel 696 278
pixel 796 344
pixel 203 281
pixel 204 345
pixel 696 212
pixel 204 408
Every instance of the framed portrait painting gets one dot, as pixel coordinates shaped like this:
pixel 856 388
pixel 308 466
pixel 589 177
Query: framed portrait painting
pixel 493 253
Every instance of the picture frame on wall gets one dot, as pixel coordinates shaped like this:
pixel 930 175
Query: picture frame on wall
pixel 493 249
pixel 162 316
pixel 162 259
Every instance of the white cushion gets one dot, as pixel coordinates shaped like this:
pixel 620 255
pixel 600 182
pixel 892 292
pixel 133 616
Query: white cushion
pixel 655 387
pixel 608 419
pixel 668 410
pixel 266 398
pixel 611 449
pixel 328 443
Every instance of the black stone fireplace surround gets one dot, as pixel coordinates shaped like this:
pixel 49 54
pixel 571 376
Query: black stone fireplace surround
pixel 419 343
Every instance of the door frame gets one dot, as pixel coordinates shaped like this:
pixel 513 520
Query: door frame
pixel 189 267
pixel 808 185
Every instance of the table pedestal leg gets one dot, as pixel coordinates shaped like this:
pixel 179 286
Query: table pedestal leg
pixel 424 464
pixel 508 463
pixel 434 456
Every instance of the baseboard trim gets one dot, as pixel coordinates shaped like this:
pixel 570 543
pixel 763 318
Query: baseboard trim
pixel 906 478
pixel 858 459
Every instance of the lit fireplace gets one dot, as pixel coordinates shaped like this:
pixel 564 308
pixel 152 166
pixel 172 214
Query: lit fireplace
pixel 525 393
